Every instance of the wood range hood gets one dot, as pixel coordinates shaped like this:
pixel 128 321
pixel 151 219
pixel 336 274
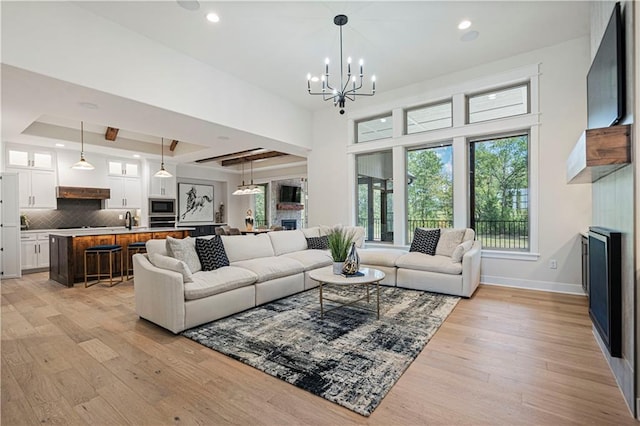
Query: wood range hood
pixel 598 153
pixel 82 193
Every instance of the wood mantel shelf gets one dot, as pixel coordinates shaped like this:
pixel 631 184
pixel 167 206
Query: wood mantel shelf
pixel 598 153
pixel 289 206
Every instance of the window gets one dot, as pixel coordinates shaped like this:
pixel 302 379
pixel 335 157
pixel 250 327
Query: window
pixel 429 117
pixel 498 104
pixel 261 217
pixel 373 129
pixel 499 189
pixel 375 195
pixel 429 188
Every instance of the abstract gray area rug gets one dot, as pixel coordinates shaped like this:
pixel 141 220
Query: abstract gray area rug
pixel 347 357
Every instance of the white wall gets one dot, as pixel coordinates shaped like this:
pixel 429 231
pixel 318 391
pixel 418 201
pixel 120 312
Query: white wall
pixel 74 45
pixel 564 210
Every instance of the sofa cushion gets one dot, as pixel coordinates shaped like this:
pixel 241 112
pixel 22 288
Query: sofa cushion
pixel 379 257
pixel 208 283
pixel 211 253
pixel 318 243
pixel 311 259
pixel 184 249
pixel 287 242
pixel 423 262
pixel 269 268
pixel 469 235
pixel 311 232
pixel 459 251
pixel 172 264
pixel 449 240
pixel 157 246
pixel 243 247
pixel 425 241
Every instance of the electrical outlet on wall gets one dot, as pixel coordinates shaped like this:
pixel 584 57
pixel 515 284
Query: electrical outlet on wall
pixel 553 264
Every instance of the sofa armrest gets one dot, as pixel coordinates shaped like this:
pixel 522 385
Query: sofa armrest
pixel 471 269
pixel 159 294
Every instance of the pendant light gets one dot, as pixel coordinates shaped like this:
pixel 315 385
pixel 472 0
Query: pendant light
pixel 82 164
pixel 162 173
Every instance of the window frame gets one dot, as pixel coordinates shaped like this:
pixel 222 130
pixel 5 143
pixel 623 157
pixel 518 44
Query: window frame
pixel 387 115
pixel 468 96
pixel 405 114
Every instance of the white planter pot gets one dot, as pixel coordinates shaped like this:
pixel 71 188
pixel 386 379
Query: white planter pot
pixel 337 267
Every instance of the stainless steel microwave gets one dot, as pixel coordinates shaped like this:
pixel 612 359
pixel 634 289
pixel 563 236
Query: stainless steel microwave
pixel 162 207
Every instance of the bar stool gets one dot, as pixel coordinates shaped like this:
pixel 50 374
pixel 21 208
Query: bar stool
pixel 133 248
pixel 110 249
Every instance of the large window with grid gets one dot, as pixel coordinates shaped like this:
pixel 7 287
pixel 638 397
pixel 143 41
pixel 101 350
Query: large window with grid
pixel 499 191
pixel 375 195
pixel 429 188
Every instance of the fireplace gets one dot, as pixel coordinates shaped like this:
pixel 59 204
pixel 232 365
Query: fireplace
pixel 605 298
pixel 289 224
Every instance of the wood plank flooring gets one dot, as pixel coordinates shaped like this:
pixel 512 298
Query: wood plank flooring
pixel 506 356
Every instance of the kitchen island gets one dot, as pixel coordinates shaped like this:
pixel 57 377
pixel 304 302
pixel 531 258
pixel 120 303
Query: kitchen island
pixel 66 248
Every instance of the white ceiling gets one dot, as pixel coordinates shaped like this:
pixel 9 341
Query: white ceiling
pixel 274 45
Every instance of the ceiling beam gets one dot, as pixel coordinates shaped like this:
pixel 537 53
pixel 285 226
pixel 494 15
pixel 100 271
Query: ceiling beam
pixel 261 156
pixel 233 154
pixel 111 133
pixel 173 145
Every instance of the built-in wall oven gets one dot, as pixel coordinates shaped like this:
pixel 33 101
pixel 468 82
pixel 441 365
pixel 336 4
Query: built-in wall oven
pixel 162 212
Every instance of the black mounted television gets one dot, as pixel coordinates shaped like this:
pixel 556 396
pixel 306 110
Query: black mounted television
pixel 290 194
pixel 606 77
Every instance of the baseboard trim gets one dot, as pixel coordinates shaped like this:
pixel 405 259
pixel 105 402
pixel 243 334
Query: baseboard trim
pixel 550 286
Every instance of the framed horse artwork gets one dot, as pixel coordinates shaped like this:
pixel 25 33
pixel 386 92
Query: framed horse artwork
pixel 195 202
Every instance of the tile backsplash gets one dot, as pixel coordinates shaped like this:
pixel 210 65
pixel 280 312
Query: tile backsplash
pixel 74 213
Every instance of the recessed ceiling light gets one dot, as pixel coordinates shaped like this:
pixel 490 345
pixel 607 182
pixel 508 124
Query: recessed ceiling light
pixel 60 145
pixel 189 4
pixel 470 36
pixel 492 96
pixel 463 25
pixel 88 105
pixel 383 120
pixel 213 17
pixel 136 155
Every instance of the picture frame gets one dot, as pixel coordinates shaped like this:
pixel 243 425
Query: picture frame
pixel 195 202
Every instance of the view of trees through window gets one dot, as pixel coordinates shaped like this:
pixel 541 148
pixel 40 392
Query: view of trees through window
pixel 499 192
pixel 260 214
pixel 429 189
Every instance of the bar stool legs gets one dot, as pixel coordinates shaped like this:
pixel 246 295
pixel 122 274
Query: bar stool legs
pixel 133 248
pixel 111 251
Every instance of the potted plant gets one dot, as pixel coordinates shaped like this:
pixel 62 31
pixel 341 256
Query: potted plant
pixel 340 242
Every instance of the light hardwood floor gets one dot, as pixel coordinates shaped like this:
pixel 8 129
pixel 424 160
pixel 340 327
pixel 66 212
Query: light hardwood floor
pixel 506 356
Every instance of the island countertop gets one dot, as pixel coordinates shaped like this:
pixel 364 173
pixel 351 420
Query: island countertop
pixel 67 247
pixel 117 230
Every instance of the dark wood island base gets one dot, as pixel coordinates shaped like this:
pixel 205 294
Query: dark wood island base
pixel 66 252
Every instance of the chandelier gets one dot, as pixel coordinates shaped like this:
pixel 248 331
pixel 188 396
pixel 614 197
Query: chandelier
pixel 247 189
pixel 349 87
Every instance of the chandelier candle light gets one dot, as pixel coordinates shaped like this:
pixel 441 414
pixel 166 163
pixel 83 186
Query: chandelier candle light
pixel 348 88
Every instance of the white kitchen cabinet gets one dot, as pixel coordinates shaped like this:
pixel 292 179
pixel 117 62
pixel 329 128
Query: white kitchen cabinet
pixel 10 222
pixel 123 168
pixel 37 188
pixel 162 187
pixel 125 193
pixel 34 251
pixel 30 158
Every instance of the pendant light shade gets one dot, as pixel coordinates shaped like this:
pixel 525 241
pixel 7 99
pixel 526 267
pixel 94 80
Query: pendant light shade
pixel 82 164
pixel 247 189
pixel 162 173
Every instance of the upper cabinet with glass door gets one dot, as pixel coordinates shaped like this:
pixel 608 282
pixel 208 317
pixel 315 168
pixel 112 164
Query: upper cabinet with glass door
pixel 29 157
pixel 127 168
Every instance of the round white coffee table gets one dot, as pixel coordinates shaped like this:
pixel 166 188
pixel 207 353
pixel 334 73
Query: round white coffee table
pixel 326 276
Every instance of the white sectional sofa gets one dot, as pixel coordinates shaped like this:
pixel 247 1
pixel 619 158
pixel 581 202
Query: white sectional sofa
pixel 270 266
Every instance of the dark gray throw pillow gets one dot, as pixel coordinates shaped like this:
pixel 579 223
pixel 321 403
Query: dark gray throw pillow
pixel 424 241
pixel 211 253
pixel 318 243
